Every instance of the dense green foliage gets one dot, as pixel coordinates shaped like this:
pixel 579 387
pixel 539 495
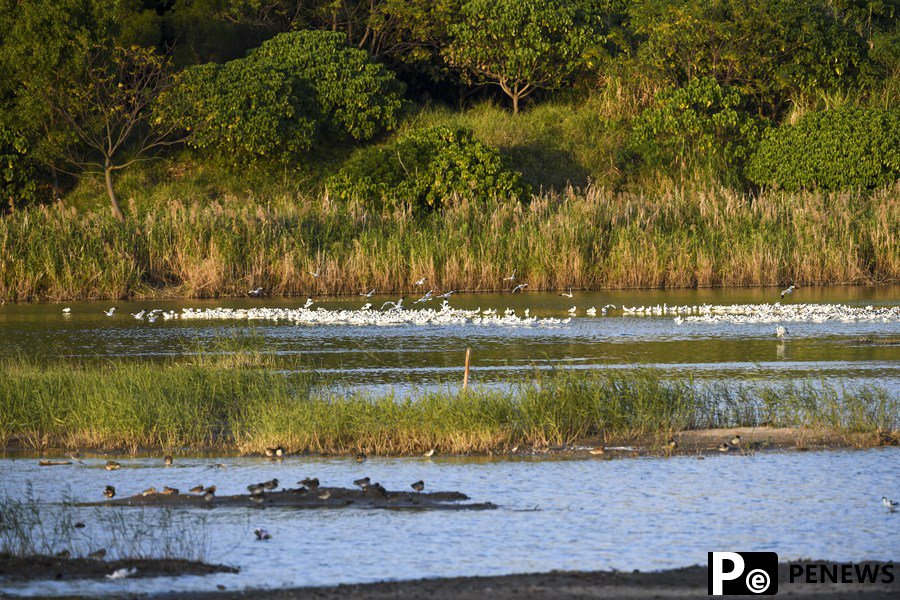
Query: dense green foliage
pixel 427 168
pixel 295 87
pixel 244 109
pixel 17 171
pixel 831 150
pixel 357 98
pixel 702 120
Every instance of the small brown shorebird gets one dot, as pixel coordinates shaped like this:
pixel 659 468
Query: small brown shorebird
pixel 209 495
pixel 262 534
pixel 723 447
pixel 211 488
pixel 149 491
pixel 109 491
pixel 270 485
pixel 279 452
pixel 360 457
pixel 311 482
pixel 735 440
pixel 377 489
pixel 98 555
pixel 168 461
pixel 672 444
pixel 169 491
pixel 597 450
pixel 418 486
pixel 325 495
pixel 112 465
pixel 270 452
pixel 363 483
pixel 256 489
pixel 197 489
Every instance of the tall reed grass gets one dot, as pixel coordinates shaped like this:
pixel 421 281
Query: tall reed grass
pixel 689 236
pixel 239 405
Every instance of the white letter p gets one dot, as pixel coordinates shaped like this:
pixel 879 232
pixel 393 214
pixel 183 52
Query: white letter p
pixel 718 576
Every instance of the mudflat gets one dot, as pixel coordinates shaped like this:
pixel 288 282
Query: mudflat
pixel 690 582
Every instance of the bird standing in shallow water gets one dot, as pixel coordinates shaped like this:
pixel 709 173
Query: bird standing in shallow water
pixel 311 482
pixel 262 534
pixel 418 486
pixel 109 491
pixel 360 457
pixel 270 485
pixel 890 504
pixel 723 447
pixel 169 491
pixel 362 483
pixel 780 332
pixel 429 454
pixel 112 465
pixel 168 461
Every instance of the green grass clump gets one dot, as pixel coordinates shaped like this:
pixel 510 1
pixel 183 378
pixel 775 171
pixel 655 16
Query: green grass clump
pixel 235 403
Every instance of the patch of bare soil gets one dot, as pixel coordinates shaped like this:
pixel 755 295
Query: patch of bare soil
pixel 18 568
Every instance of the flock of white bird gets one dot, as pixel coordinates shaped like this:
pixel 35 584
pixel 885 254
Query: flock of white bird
pixel 395 313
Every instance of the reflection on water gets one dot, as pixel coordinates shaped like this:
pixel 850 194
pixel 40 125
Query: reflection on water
pixel 404 357
pixel 625 514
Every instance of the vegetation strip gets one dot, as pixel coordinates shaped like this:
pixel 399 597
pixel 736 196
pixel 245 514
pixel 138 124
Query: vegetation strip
pixel 244 403
pixel 706 236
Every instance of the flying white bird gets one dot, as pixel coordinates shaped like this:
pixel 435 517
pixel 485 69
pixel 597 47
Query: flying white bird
pixel 138 315
pixel 309 302
pixel 369 294
pixel 109 312
pixel 447 294
pixel 787 292
pixel 316 274
pixel 511 277
pixel 257 292
pixel 569 295
pixel 573 310
pixel 366 306
pixel 421 281
pixel 519 287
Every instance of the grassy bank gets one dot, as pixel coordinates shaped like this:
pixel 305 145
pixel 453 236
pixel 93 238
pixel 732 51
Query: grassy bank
pixel 688 236
pixel 237 403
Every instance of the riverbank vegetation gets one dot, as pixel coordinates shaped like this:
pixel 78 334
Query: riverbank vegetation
pixel 584 143
pixel 238 402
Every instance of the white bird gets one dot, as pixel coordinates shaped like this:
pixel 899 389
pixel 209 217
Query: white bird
pixel 780 331
pixel 369 294
pixel 67 310
pixel 316 274
pixel 262 534
pixel 573 310
pixel 447 294
pixel 109 312
pixel 519 287
pixel 396 304
pixel 788 291
pixel 569 295
pixel 309 302
pixel 890 504
pixel 122 573
pixel 429 454
pixel 511 277
pixel 138 315
pixel 606 308
pixel 421 281
pixel 257 292
pixel 366 306
pixel 152 319
pixel 426 297
pixel 592 311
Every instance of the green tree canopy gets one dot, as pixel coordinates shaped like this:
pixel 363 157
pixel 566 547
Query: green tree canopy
pixel 523 45
pixel 770 50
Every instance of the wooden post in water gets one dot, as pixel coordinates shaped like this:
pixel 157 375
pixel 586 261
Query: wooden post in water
pixel 466 375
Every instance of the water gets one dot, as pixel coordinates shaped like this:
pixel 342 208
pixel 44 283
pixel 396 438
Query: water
pixel 407 357
pixel 644 513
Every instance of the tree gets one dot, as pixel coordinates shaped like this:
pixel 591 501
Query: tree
pixel 107 111
pixel 522 45
pixel 770 50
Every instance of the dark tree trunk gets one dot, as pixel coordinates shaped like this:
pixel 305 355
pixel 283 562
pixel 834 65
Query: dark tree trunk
pixel 116 209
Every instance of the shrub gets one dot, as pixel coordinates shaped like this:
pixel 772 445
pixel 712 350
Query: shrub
pixel 700 122
pixel 245 109
pixel 358 98
pixel 427 168
pixel 17 171
pixel 831 150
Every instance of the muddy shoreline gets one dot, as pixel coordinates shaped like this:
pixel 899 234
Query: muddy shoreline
pixel 31 568
pixel 690 582
pixel 698 442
